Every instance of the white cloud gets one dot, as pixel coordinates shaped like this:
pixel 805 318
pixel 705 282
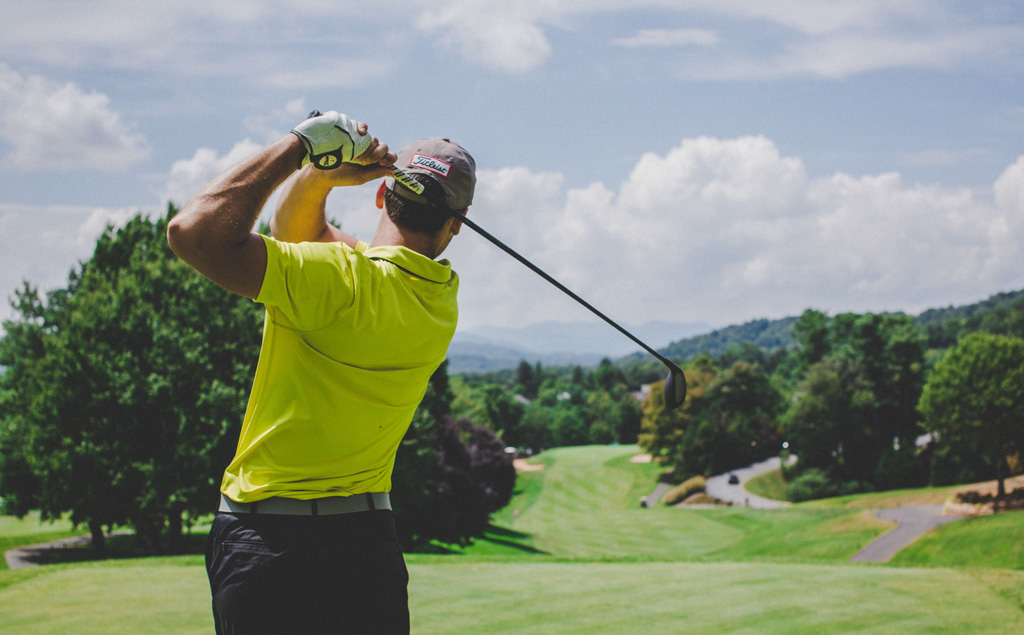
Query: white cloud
pixel 53 126
pixel 261 40
pixel 307 43
pixel 269 128
pixel 668 38
pixel 728 230
pixel 831 39
pixel 188 176
pixel 44 243
pixel 505 36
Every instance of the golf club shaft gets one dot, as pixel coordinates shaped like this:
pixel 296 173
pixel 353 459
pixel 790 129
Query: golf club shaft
pixel 543 274
pixel 418 188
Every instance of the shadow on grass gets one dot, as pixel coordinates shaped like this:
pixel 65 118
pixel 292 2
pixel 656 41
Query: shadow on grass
pixel 119 546
pixel 509 538
pixel 493 534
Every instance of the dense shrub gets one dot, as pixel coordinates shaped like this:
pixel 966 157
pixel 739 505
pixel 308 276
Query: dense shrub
pixel 811 484
pixel 683 491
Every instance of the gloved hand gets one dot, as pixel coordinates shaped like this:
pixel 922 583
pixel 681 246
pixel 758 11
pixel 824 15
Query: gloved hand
pixel 331 139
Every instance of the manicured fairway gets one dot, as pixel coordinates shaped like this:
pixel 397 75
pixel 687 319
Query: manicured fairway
pixel 458 595
pixel 154 595
pixel 598 598
pixel 575 553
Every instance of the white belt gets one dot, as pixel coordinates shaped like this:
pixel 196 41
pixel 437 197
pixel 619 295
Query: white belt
pixel 327 506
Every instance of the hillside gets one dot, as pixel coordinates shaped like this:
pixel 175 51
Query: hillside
pixel 941 324
pixel 552 344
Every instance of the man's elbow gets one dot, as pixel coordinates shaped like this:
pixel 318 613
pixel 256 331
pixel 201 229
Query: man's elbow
pixel 181 239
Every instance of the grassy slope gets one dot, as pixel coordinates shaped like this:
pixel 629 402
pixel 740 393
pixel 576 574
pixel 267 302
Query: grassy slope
pixel 768 485
pixel 612 568
pixel 585 505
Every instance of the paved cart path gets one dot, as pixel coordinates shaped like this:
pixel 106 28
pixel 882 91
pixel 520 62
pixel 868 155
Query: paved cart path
pixel 718 486
pixel 914 522
pixel 33 555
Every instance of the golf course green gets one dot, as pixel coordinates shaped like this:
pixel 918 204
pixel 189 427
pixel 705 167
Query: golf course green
pixel 575 553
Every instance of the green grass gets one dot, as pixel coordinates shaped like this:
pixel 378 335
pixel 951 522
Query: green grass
pixel 585 505
pixel 659 597
pixel 986 541
pixel 153 595
pixel 460 595
pixel 768 485
pixel 575 553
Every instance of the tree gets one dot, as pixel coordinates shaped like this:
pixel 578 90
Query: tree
pixel 829 425
pixel 607 375
pixel 738 423
pixel 122 392
pixel 663 431
pixel 450 475
pixel 530 378
pixel 812 335
pixel 973 401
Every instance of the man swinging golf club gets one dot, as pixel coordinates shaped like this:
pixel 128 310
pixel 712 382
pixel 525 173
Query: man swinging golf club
pixel 304 541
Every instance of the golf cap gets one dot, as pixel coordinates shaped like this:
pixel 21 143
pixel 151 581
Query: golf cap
pixel 446 163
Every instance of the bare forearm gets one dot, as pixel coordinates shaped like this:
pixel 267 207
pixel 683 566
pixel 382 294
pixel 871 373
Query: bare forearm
pixel 301 213
pixel 213 233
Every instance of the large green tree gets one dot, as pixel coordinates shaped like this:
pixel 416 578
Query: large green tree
pixel 737 424
pixel 123 391
pixel 973 401
pixel 829 425
pixel 854 416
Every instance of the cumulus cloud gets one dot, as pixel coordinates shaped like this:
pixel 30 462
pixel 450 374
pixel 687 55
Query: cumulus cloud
pixel 188 176
pixel 505 36
pixel 54 126
pixel 726 230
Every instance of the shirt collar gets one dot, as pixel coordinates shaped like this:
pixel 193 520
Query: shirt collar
pixel 439 271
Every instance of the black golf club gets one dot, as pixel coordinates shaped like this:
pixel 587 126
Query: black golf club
pixel 675 383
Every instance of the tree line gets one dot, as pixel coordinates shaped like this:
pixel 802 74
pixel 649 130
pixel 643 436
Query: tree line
pixel 863 401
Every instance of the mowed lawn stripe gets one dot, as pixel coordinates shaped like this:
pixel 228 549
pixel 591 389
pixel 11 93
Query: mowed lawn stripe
pixel 658 597
pixel 459 595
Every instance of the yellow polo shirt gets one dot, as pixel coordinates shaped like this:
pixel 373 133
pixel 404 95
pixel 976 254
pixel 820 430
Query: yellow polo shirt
pixel 350 339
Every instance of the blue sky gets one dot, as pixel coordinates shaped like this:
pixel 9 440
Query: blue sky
pixel 678 160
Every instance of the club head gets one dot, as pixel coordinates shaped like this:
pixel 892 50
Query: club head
pixel 675 387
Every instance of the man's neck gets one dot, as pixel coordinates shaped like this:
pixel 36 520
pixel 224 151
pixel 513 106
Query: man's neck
pixel 389 234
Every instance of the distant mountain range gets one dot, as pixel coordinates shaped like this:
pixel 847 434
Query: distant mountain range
pixel 478 350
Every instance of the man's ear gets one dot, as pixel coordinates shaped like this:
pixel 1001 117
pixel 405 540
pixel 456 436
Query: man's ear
pixel 380 194
pixel 457 223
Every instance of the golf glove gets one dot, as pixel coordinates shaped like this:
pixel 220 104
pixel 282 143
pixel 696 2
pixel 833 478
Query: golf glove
pixel 330 139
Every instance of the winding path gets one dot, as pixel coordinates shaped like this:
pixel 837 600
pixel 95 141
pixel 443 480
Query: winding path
pixel 718 486
pixel 33 555
pixel 914 522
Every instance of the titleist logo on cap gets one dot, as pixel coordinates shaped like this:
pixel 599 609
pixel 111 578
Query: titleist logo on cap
pixel 430 163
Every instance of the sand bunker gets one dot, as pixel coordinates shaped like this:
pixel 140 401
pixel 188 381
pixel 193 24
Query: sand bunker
pixel 522 466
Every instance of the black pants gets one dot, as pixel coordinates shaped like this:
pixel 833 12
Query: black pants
pixel 307 574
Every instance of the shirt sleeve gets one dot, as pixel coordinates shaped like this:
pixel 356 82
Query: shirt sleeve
pixel 307 286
